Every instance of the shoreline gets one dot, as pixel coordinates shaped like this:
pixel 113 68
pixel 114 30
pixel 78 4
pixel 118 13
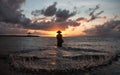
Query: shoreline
pixel 19 36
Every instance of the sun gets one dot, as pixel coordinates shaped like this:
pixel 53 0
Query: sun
pixel 52 33
pixel 65 33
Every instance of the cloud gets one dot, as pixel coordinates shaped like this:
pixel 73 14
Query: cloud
pixel 110 28
pixel 116 17
pixel 63 15
pixel 59 19
pixel 93 15
pixel 9 28
pixel 51 10
pixel 60 14
pixel 15 29
pixel 93 10
pixel 82 19
pixel 9 10
pixel 51 25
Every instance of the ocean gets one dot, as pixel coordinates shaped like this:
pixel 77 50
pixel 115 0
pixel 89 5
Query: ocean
pixel 10 45
pixel 28 43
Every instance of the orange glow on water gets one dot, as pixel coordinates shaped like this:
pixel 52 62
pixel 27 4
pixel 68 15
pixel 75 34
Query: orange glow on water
pixel 52 63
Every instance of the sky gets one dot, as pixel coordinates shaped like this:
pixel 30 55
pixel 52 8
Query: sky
pixel 111 7
pixel 72 17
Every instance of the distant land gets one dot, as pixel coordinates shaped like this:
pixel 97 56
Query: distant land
pixel 19 36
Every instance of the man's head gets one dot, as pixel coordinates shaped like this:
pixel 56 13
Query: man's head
pixel 59 32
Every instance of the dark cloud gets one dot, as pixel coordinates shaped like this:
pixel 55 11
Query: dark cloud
pixel 51 25
pixel 10 28
pixel 111 28
pixel 93 10
pixel 82 19
pixel 24 20
pixel 50 11
pixel 93 15
pixel 59 19
pixel 60 15
pixel 63 15
pixel 79 19
pixel 9 10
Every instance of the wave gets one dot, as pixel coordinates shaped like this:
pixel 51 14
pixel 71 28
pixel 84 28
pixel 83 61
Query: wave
pixel 60 59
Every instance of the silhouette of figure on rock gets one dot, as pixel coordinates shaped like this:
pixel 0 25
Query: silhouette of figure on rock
pixel 59 39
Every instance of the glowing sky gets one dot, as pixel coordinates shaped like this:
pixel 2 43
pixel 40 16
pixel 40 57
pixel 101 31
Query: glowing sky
pixel 80 16
pixel 110 8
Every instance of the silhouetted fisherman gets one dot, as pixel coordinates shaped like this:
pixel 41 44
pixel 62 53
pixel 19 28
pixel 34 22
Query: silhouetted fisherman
pixel 59 39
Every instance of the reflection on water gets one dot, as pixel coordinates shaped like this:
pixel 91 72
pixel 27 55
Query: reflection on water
pixel 28 43
pixel 52 62
pixel 53 52
pixel 60 59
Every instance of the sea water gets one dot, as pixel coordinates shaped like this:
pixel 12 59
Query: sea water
pixel 28 43
pixel 11 44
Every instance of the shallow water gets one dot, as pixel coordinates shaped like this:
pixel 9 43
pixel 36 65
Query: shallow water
pixel 28 43
pixel 8 44
pixel 65 59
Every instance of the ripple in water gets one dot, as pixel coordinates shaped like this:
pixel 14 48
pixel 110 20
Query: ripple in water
pixel 57 59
